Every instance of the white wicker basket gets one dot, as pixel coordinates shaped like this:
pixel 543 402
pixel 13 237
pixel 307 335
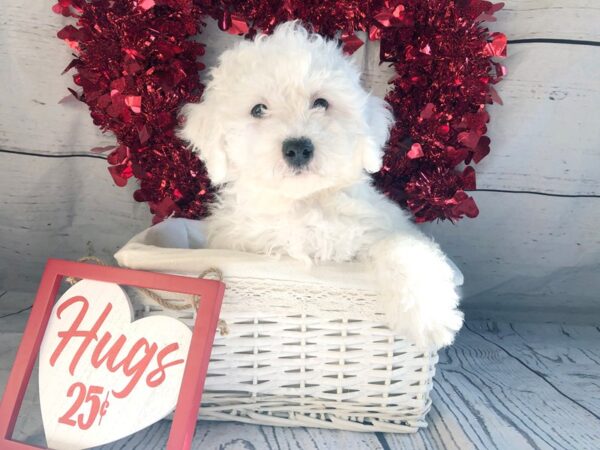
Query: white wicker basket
pixel 305 346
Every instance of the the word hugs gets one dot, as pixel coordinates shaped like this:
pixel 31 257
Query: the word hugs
pixel 102 375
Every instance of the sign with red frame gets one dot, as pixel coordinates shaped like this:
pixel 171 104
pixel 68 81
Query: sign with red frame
pixel 210 293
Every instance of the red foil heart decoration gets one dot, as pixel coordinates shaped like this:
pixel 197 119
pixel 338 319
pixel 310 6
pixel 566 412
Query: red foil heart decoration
pixel 136 66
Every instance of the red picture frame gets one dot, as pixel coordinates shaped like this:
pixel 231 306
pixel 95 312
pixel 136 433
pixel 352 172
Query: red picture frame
pixel 190 394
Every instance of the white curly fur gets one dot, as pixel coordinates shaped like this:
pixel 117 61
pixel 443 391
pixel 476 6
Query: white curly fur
pixel 330 211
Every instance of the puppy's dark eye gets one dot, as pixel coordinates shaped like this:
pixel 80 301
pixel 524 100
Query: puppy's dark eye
pixel 320 103
pixel 258 111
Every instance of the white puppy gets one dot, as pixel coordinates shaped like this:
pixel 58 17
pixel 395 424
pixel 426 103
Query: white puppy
pixel 288 133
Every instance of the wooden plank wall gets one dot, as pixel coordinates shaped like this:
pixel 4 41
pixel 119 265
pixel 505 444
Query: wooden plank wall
pixel 534 247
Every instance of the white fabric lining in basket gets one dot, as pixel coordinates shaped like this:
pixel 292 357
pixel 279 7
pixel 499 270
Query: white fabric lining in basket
pixel 305 345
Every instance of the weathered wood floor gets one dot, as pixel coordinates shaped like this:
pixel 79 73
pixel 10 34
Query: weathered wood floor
pixel 501 386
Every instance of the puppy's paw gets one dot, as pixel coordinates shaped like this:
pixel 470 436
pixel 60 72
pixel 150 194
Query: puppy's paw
pixel 424 308
pixel 420 297
pixel 428 331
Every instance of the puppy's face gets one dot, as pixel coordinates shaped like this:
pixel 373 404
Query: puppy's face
pixel 287 113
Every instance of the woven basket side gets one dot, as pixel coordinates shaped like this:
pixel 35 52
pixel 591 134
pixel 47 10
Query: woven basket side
pixel 300 355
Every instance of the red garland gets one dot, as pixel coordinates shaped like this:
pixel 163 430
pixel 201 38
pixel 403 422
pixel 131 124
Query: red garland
pixel 137 66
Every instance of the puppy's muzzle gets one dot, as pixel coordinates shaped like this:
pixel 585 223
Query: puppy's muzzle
pixel 297 152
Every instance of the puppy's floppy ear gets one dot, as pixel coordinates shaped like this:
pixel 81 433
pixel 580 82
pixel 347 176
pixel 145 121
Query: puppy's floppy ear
pixel 379 119
pixel 206 134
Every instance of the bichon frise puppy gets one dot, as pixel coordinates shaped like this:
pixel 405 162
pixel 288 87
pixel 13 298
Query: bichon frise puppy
pixel 290 135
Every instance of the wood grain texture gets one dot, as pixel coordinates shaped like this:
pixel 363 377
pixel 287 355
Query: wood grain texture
pixel 501 386
pixel 237 436
pixel 485 398
pixel 566 356
pixel 544 137
pixel 559 19
pixel 61 208
pixel 30 116
pixel 528 253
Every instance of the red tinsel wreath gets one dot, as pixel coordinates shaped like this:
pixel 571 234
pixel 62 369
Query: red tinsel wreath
pixel 136 66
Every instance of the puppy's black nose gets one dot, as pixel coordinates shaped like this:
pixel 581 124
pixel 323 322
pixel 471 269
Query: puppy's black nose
pixel 297 152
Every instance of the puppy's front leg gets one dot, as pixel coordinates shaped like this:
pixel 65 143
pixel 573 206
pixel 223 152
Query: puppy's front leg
pixel 417 289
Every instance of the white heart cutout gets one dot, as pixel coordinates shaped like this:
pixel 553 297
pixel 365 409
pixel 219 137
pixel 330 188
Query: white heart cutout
pixel 96 390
